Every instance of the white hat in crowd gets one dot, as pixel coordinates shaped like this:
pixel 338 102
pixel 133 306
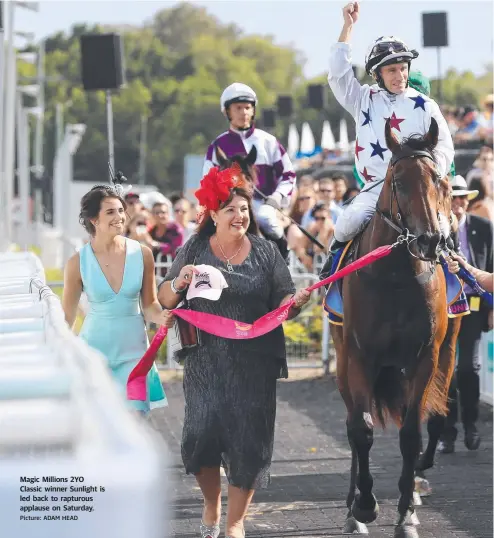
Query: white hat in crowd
pixel 460 188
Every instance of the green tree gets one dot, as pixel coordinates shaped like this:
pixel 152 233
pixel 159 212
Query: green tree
pixel 176 67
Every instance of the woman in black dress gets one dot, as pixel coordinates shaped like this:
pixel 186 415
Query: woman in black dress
pixel 230 385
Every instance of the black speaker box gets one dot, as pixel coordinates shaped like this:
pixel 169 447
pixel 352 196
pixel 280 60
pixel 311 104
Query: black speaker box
pixel 435 29
pixel 269 118
pixel 316 96
pixel 101 58
pixel 285 106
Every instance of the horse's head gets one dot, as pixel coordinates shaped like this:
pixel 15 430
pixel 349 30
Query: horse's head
pixel 246 163
pixel 412 196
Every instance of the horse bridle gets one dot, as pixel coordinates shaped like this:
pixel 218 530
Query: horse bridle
pixel 405 236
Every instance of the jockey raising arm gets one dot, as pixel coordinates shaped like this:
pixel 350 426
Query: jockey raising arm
pixel 276 178
pixel 410 112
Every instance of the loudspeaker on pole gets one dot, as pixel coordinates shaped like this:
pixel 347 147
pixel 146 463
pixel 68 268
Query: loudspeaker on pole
pixel 101 62
pixel 285 106
pixel 435 29
pixel 269 118
pixel 316 96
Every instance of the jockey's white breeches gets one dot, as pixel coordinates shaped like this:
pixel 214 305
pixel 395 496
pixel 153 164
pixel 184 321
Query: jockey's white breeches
pixel 267 218
pixel 357 214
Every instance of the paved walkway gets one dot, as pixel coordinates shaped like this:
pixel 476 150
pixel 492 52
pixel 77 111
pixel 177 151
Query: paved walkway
pixel 310 474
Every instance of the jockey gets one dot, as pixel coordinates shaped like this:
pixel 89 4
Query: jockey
pixel 388 62
pixel 421 83
pixel 276 178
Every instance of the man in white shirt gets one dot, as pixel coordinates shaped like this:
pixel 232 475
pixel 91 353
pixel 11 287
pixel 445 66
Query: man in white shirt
pixel 388 62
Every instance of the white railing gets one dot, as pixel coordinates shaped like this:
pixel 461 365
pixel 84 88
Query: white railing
pixel 487 368
pixel 61 416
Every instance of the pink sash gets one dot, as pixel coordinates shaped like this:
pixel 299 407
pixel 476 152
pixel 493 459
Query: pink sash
pixel 229 328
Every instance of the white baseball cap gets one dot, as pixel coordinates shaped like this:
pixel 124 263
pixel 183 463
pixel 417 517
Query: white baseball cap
pixel 460 188
pixel 208 283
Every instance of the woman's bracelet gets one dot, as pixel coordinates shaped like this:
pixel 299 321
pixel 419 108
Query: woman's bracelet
pixel 176 290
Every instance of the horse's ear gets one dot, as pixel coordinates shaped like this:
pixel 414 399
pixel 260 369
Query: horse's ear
pixel 433 135
pixel 392 142
pixel 220 156
pixel 251 157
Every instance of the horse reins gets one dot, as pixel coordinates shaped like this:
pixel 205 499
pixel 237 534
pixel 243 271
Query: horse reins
pixel 402 229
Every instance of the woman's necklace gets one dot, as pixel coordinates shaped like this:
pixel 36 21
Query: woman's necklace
pixel 229 266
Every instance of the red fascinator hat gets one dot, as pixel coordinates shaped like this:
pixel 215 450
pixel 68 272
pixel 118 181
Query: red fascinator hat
pixel 216 186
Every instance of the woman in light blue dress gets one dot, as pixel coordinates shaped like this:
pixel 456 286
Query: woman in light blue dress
pixel 117 275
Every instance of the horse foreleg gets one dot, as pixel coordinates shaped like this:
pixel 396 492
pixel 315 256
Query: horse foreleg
pixel 410 450
pixel 422 384
pixel 360 431
pixel 352 526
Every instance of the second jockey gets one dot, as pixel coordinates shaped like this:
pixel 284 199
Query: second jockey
pixel 276 178
pixel 388 62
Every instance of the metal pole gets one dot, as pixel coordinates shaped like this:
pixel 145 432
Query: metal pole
pixel 142 150
pixel 439 81
pixel 9 123
pixel 58 125
pixel 38 149
pixel 109 122
pixel 38 143
pixel 2 126
pixel 22 131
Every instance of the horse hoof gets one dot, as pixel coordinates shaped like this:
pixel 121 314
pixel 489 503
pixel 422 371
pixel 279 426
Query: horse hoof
pixel 365 515
pixel 406 531
pixel 417 501
pixel 352 526
pixel 422 486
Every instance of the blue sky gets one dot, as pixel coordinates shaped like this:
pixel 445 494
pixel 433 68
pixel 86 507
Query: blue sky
pixel 310 26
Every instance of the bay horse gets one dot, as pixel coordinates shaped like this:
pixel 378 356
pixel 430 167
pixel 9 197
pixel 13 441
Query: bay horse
pixel 396 349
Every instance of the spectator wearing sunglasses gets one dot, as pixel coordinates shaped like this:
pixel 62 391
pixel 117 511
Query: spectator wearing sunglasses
pixel 327 195
pixel 182 214
pixel 302 203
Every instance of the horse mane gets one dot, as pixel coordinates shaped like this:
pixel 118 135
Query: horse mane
pixel 418 142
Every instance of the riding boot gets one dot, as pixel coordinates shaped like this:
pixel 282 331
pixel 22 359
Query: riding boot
pixel 329 267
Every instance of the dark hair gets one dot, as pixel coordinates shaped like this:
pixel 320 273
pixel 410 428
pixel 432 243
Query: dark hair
pixel 91 205
pixel 478 184
pixel 320 206
pixel 338 176
pixel 175 197
pixel 207 228
pixel 350 193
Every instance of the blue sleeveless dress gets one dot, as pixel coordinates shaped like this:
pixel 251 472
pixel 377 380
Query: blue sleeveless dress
pixel 115 325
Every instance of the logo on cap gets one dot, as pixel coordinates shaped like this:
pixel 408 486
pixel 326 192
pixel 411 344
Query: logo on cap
pixel 203 280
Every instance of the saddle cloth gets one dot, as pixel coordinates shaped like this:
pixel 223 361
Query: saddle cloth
pixel 333 302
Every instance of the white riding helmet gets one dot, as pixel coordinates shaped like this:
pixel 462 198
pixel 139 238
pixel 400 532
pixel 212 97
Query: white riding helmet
pixel 237 93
